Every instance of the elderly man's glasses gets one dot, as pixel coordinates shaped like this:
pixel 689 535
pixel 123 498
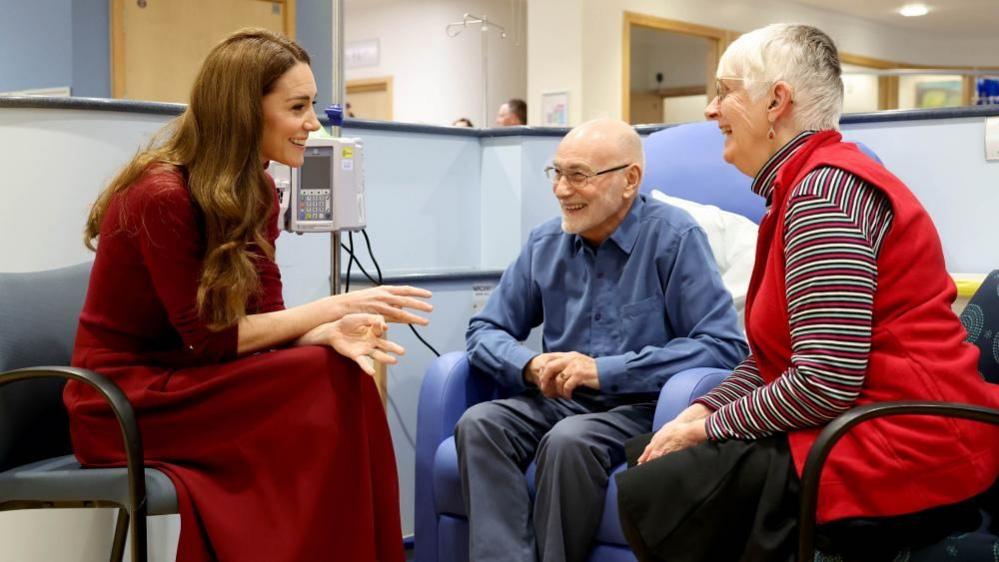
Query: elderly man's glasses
pixel 577 179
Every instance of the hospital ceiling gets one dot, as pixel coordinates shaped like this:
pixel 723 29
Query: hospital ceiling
pixel 962 18
pixel 946 17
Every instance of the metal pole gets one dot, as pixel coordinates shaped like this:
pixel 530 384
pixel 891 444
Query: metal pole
pixel 339 96
pixel 484 32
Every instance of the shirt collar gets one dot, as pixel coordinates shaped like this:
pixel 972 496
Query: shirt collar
pixel 763 183
pixel 626 233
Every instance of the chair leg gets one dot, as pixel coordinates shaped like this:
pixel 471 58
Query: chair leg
pixel 139 548
pixel 120 535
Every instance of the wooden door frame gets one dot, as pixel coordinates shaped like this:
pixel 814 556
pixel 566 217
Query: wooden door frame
pixel 117 39
pixel 374 84
pixel 719 38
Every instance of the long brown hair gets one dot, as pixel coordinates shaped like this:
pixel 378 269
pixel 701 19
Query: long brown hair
pixel 216 142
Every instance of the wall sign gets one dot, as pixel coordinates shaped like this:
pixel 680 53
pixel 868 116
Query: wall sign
pixel 360 54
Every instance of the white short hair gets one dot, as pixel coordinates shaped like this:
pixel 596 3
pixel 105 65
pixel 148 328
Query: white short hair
pixel 801 55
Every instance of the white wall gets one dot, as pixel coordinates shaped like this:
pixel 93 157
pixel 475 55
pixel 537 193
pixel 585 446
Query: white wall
pixel 860 90
pixel 436 78
pixel 684 109
pixel 596 88
pixel 554 55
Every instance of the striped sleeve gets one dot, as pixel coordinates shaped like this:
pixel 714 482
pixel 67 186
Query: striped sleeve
pixel 835 224
pixel 744 379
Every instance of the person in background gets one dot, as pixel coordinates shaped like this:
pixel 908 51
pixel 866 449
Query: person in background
pixel 850 304
pixel 512 113
pixel 462 122
pixel 262 416
pixel 629 294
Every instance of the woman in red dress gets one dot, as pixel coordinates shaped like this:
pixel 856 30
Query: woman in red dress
pixel 262 416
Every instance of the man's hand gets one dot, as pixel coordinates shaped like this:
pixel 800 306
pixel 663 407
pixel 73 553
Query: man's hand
pixel 674 436
pixel 532 371
pixel 562 373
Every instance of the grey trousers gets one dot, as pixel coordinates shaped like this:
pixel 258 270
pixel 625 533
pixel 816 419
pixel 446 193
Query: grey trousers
pixel 575 444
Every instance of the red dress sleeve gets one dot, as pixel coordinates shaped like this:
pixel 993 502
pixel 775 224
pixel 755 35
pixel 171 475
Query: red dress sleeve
pixel 170 241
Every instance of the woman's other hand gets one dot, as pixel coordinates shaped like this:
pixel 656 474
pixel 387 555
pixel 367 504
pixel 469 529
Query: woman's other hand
pixel 674 436
pixel 358 337
pixel 389 301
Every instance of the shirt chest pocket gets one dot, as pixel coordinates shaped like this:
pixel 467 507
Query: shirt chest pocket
pixel 644 323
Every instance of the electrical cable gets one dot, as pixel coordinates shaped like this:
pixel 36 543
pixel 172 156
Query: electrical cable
pixel 378 270
pixel 364 272
pixel 350 262
pixel 367 242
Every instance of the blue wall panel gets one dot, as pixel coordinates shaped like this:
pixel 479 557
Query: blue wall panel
pixel 313 30
pixel 35 44
pixel 91 60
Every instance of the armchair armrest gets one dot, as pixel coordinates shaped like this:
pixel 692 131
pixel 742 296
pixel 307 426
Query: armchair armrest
pixel 682 388
pixel 450 386
pixel 131 438
pixel 839 427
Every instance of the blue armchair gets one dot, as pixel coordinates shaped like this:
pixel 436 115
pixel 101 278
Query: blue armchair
pixel 450 387
pixel 682 161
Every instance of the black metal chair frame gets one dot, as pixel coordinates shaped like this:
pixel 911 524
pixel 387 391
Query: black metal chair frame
pixel 130 517
pixel 836 429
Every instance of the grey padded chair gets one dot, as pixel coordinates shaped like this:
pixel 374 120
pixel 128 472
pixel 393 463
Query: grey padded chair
pixel 38 317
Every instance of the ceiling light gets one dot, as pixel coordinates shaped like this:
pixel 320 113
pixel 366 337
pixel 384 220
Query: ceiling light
pixel 913 10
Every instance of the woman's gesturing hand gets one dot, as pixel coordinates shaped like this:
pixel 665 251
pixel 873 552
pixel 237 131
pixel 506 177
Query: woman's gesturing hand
pixel 389 301
pixel 358 337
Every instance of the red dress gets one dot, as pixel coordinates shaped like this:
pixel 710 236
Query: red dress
pixel 900 464
pixel 278 456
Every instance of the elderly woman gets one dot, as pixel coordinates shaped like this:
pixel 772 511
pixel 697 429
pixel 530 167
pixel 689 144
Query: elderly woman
pixel 849 304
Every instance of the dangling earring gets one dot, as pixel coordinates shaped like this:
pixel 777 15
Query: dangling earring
pixel 770 133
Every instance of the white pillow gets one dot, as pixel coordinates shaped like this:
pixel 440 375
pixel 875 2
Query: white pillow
pixel 733 242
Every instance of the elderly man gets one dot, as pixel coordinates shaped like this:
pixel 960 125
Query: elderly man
pixel 629 295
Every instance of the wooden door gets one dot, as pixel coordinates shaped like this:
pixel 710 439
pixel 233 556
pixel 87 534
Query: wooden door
pixel 644 105
pixel 158 45
pixel 370 98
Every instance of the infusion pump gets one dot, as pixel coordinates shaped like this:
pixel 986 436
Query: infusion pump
pixel 327 193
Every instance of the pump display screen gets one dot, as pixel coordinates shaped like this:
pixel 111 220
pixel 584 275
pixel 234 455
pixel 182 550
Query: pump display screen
pixel 316 172
pixel 314 200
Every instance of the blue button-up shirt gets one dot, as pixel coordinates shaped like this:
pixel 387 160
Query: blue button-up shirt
pixel 646 303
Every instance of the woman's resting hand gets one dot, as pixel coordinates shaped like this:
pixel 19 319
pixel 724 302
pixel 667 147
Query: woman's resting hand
pixel 674 436
pixel 359 337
